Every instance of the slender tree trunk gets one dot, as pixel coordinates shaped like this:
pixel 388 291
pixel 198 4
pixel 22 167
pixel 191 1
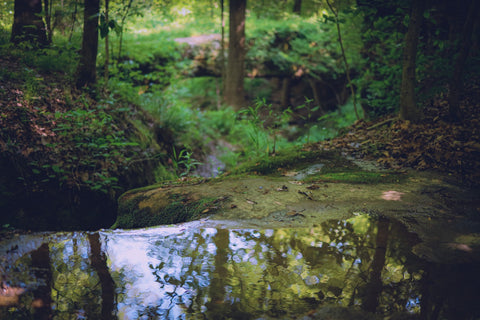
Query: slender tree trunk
pixel 374 285
pixel 99 264
pixel 124 17
pixel 28 26
pixel 285 96
pixel 107 52
pixel 408 103
pixel 48 19
pixel 345 62
pixel 222 48
pixel 87 72
pixel 74 18
pixel 316 95
pixel 297 7
pixel 456 82
pixel 234 90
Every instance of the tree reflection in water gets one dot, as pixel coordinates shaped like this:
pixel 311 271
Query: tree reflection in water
pixel 350 268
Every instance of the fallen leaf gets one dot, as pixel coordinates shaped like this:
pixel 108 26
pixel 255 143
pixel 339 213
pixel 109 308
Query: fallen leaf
pixel 290 174
pixel 298 183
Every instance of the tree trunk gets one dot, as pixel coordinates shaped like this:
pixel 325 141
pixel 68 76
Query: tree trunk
pixel 87 72
pixel 107 53
pixel 297 7
pixel 222 44
pixel 99 264
pixel 219 277
pixel 408 103
pixel 27 25
pixel 285 93
pixel 456 83
pixel 316 95
pixel 234 91
pixel 43 293
pixel 122 26
pixel 74 18
pixel 48 19
pixel 374 285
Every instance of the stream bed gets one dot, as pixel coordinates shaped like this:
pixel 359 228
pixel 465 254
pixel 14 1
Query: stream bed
pixel 364 267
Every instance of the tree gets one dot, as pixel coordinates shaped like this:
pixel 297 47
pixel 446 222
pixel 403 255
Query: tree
pixel 297 7
pixel 27 24
pixel 374 285
pixel 408 103
pixel 86 71
pixel 234 90
pixel 107 53
pixel 48 19
pixel 345 62
pixel 99 264
pixel 456 82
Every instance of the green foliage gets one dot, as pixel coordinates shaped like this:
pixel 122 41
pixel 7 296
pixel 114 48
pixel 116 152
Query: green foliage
pixel 327 126
pixel 53 59
pixel 264 124
pixel 6 15
pixel 380 81
pixel 292 44
pixel 183 162
pixel 256 132
pixel 91 150
pixel 309 116
pixel 105 26
pixel 190 107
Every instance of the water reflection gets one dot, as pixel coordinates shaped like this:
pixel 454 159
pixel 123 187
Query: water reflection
pixel 342 269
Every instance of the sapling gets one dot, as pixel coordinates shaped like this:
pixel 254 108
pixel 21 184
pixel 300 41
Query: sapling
pixel 308 117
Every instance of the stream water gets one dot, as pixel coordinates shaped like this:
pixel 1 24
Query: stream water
pixel 341 269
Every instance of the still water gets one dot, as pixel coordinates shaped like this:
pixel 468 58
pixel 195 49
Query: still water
pixel 360 268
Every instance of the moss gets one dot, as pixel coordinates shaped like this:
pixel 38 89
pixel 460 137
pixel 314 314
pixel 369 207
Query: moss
pixel 364 177
pixel 166 184
pixel 286 159
pixel 180 208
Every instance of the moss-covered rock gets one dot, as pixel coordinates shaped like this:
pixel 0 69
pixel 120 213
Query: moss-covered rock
pixel 172 204
pixel 298 194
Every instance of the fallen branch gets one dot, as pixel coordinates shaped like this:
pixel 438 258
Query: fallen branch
pixel 382 123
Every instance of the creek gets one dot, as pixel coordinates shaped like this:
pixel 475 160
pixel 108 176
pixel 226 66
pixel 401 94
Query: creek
pixel 363 267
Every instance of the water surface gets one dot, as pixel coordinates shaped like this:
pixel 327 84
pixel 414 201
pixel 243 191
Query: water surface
pixel 360 268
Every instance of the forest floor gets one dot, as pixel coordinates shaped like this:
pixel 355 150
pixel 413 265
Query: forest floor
pixel 432 143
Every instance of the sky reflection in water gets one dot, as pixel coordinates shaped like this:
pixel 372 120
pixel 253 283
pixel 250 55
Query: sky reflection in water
pixel 360 265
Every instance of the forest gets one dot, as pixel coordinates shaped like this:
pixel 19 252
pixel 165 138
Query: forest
pixel 246 120
pixel 99 98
